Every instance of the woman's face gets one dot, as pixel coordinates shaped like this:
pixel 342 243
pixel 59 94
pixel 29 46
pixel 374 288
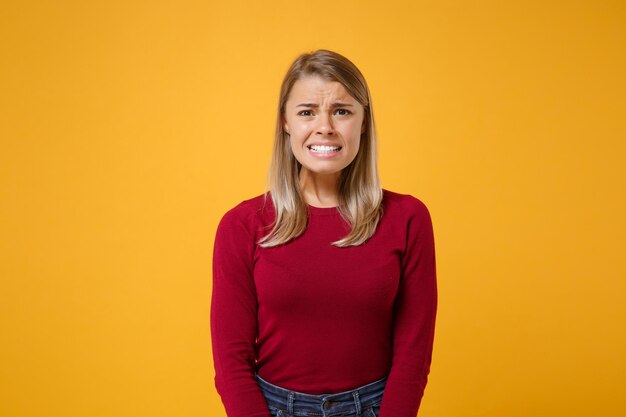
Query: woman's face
pixel 324 123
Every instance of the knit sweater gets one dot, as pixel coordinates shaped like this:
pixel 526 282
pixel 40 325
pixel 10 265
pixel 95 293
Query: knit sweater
pixel 320 319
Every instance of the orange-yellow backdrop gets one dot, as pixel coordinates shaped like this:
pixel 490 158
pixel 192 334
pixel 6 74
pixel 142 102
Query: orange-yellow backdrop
pixel 129 127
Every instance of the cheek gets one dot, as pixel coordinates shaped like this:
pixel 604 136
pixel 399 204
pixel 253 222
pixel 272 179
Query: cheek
pixel 356 147
pixel 300 130
pixel 295 144
pixel 354 133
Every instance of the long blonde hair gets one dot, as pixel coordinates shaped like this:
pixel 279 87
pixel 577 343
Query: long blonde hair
pixel 360 193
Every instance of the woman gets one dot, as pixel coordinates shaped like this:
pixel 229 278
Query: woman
pixel 324 289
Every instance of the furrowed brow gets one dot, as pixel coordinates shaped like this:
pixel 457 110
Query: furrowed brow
pixel 314 106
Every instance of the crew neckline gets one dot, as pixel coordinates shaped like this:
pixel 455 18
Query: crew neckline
pixel 322 211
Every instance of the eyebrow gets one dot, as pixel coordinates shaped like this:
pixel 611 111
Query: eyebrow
pixel 314 106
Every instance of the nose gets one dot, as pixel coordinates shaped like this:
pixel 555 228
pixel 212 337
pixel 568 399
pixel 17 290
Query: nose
pixel 325 125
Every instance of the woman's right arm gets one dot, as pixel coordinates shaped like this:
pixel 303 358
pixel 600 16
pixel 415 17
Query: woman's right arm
pixel 234 319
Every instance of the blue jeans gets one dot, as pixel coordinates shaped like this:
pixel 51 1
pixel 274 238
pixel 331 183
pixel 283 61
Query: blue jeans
pixel 363 401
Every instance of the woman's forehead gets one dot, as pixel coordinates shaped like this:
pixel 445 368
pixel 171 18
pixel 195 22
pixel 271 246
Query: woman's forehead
pixel 314 88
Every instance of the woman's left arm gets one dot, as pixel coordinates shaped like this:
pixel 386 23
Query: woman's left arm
pixel 414 317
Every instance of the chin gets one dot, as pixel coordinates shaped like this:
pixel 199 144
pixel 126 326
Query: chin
pixel 322 171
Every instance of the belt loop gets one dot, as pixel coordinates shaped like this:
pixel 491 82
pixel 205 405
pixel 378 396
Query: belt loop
pixel 290 404
pixel 357 403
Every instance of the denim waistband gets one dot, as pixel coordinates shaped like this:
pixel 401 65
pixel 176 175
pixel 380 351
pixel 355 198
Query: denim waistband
pixel 297 403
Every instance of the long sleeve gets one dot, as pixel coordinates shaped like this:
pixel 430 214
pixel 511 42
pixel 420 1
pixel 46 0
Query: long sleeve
pixel 234 320
pixel 414 318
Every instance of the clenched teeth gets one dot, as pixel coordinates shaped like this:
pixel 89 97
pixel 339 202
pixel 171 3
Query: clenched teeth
pixel 323 148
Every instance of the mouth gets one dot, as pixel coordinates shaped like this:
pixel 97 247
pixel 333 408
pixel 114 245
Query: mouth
pixel 324 149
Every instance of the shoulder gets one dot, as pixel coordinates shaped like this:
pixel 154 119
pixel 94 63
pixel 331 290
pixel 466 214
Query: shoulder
pixel 404 205
pixel 247 211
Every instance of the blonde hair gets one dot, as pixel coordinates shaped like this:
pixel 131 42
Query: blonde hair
pixel 360 194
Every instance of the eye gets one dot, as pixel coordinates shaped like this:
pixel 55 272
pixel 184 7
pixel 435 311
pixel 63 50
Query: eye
pixel 343 112
pixel 305 113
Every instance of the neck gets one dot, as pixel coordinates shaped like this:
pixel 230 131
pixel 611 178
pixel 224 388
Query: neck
pixel 320 190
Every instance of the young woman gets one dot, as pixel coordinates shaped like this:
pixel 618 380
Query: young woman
pixel 324 287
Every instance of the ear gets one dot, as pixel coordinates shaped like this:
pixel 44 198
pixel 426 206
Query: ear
pixel 363 125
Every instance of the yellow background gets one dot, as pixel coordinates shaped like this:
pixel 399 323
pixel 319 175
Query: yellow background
pixel 129 127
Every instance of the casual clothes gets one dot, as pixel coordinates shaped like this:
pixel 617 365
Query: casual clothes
pixel 317 319
pixel 360 402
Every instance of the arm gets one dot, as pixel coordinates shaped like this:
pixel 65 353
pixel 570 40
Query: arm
pixel 234 320
pixel 414 319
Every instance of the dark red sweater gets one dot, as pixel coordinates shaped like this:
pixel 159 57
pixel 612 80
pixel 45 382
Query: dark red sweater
pixel 319 319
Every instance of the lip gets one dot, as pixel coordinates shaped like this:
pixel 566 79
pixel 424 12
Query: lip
pixel 323 144
pixel 323 155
